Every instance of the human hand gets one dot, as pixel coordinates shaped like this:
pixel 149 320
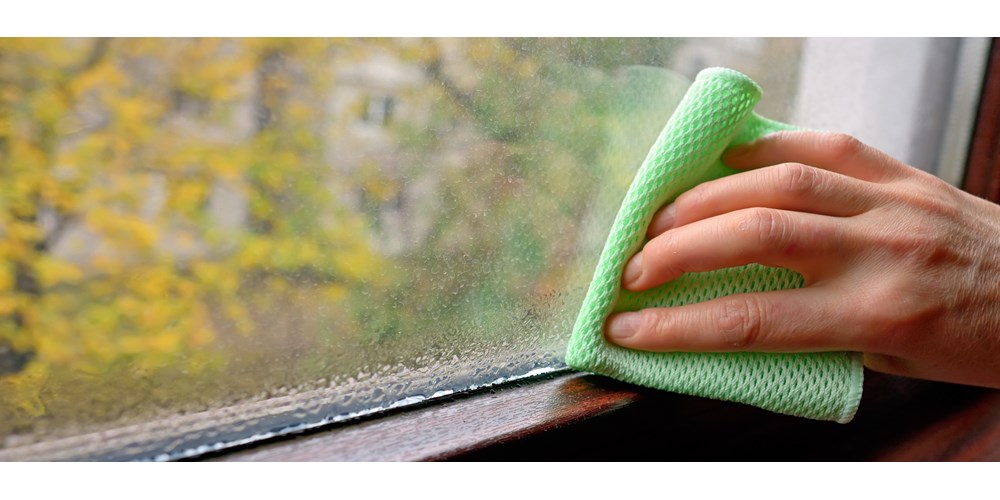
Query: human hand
pixel 897 263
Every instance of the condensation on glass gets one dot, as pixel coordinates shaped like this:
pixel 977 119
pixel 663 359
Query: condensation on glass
pixel 205 242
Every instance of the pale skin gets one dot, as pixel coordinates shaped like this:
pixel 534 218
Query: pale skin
pixel 898 264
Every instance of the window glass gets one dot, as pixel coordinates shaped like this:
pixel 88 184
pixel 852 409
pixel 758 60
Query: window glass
pixel 209 241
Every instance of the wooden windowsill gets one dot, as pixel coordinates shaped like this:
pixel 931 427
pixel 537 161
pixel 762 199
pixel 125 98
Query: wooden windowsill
pixel 450 429
pixel 587 417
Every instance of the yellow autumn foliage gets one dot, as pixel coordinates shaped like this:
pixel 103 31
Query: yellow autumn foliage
pixel 112 154
pixel 51 272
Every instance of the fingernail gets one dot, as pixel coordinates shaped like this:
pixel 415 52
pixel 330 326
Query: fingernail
pixel 633 269
pixel 624 325
pixel 664 221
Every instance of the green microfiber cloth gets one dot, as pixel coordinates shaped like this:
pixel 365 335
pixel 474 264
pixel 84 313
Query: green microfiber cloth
pixel 715 113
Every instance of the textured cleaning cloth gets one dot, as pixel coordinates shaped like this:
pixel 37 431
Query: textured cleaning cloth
pixel 716 112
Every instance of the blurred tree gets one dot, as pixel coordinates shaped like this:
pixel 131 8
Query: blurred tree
pixel 166 207
pixel 113 155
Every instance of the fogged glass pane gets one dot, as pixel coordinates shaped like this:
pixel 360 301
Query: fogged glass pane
pixel 203 241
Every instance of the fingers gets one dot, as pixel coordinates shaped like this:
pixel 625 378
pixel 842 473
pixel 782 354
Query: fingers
pixel 797 212
pixel 839 153
pixel 802 320
pixel 808 243
pixel 788 186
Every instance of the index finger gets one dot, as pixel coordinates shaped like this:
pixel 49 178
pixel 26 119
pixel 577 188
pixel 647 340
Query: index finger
pixel 839 153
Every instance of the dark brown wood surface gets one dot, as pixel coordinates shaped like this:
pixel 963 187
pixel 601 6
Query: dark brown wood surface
pixel 899 419
pixel 587 417
pixel 451 429
pixel 971 432
pixel 982 173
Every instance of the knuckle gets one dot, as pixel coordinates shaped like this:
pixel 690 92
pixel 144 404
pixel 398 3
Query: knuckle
pixel 929 195
pixel 844 146
pixel 797 179
pixel 765 224
pixel 928 180
pixel 654 323
pixel 740 322
pixel 928 244
pixel 921 243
